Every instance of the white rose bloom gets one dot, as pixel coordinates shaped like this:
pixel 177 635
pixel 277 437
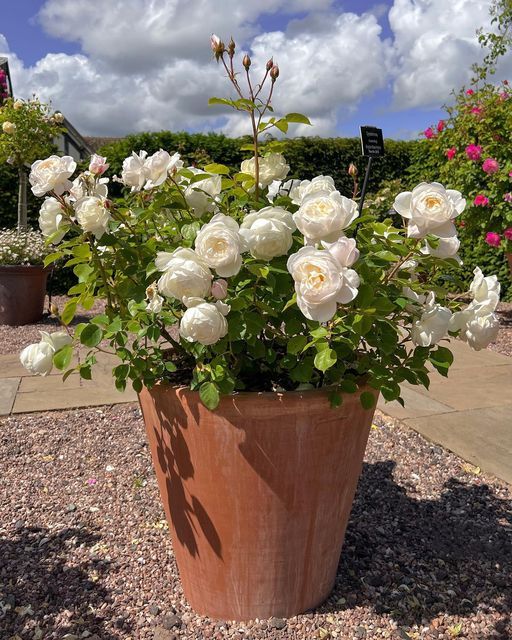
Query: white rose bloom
pixel 446 248
pixel 92 215
pixel 204 322
pixel 271 167
pixel 155 301
pixel 321 282
pixel 158 166
pixel 8 127
pixel 85 185
pixel 51 174
pixel 280 188
pixel 220 245
pixel 485 288
pixel 37 358
pixel 320 184
pixel 200 195
pixel 480 330
pixel 430 208
pixel 50 218
pixel 268 232
pixel 185 274
pixel 433 324
pixel 323 216
pixel 343 250
pixel 134 170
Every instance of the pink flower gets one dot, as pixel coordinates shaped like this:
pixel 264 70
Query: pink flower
pixel 474 151
pixel 429 133
pixel 220 289
pixel 510 174
pixel 508 233
pixel 91 481
pixel 477 111
pixel 481 200
pixel 493 239
pixel 440 125
pixel 507 197
pixel 470 92
pixel 504 95
pixel 98 165
pixel 490 165
pixel 450 153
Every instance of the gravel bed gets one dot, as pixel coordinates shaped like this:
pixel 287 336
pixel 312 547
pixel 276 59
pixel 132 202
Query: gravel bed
pixel 503 343
pixel 85 551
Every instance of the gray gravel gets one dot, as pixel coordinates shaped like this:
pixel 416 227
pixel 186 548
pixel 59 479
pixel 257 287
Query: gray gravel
pixel 85 551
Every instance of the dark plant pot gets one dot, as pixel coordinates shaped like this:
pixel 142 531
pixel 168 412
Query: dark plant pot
pixel 509 258
pixel 257 494
pixel 22 292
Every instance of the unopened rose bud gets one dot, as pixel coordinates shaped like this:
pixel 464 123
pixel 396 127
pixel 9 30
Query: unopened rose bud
pixel 270 64
pixel 220 289
pixel 58 117
pixel 54 309
pixel 246 61
pixel 218 47
pixel 8 127
pixel 352 170
pixel 274 73
pixel 98 165
pixel 231 48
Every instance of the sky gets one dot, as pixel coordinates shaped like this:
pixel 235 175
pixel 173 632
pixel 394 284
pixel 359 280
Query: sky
pixel 125 66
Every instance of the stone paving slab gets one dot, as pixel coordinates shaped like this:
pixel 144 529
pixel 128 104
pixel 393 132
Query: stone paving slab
pixel 8 390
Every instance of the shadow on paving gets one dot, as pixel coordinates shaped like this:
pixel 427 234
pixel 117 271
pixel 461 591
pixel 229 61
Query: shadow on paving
pixel 417 558
pixel 63 598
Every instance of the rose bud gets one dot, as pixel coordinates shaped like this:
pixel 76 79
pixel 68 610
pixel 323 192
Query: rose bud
pixel 54 309
pixel 270 64
pixel 352 170
pixel 218 47
pixel 246 61
pixel 274 73
pixel 231 47
pixel 219 289
pixel 58 117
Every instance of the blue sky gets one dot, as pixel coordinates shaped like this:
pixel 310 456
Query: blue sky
pixel 120 66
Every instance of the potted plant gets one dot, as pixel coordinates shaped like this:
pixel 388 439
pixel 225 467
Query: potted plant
pixel 27 132
pixel 258 320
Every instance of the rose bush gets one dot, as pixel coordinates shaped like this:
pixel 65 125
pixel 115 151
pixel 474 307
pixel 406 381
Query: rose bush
pixel 229 281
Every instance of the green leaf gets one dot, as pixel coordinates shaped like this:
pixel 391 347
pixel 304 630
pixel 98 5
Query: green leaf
pixel 63 357
pixel 83 271
pixel 364 296
pixel 325 359
pixel 297 117
pixel 52 257
pixel 296 344
pixel 217 168
pixel 282 125
pixel 209 395
pixel 137 385
pixel 68 313
pixel 91 335
pixel 367 400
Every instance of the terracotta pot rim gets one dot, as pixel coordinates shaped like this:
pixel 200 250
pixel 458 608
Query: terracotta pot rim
pixel 24 267
pixel 296 393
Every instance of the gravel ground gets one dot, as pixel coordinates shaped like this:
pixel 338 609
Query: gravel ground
pixel 503 343
pixel 85 551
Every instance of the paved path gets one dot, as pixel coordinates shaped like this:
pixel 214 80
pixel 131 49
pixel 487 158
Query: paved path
pixel 470 412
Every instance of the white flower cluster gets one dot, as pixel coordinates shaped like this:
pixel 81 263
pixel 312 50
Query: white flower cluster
pixel 38 357
pixel 140 171
pixel 22 247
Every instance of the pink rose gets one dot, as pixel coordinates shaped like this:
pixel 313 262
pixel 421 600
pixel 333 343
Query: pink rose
pixel 440 125
pixel 490 165
pixel 470 92
pixel 481 200
pixel 429 133
pixel 508 233
pixel 219 289
pixel 493 239
pixel 98 165
pixel 477 111
pixel 450 153
pixel 474 151
pixel 507 197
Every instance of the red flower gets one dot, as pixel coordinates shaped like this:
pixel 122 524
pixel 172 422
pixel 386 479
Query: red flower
pixel 450 153
pixel 474 151
pixel 490 165
pixel 440 125
pixel 429 133
pixel 493 239
pixel 481 200
pixel 470 92
pixel 508 233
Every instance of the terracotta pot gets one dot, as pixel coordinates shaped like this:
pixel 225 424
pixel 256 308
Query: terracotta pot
pixel 509 258
pixel 257 494
pixel 22 292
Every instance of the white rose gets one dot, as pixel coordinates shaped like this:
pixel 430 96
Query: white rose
pixel 37 358
pixel 268 232
pixel 433 324
pixel 86 185
pixel 98 164
pixel 17 104
pixel 446 248
pixel 185 274
pixel 220 244
pixel 58 117
pixel 480 330
pixel 343 250
pixel 485 288
pixel 279 188
pixel 92 215
pixel 155 301
pixel 200 195
pixel 271 167
pixel 204 322
pixel 50 219
pixel 158 166
pixel 321 282
pixel 134 170
pixel 320 184
pixel 323 216
pixel 430 208
pixel 8 127
pixel 51 174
